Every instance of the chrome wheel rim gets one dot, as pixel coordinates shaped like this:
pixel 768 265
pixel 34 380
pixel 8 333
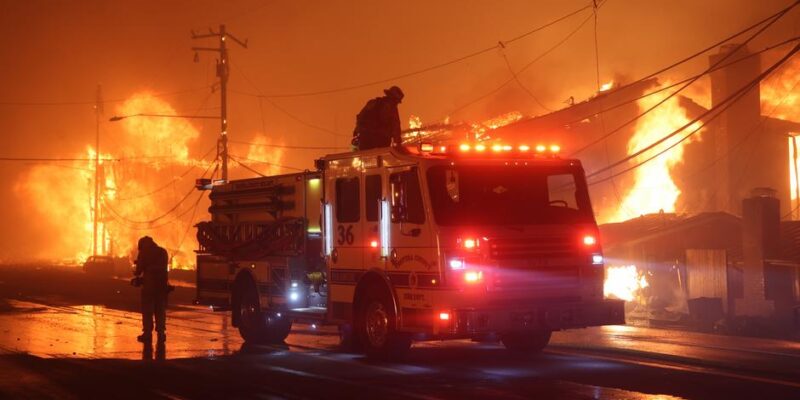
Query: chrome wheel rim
pixel 377 322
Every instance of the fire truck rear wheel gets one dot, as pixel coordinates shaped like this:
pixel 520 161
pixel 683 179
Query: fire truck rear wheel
pixel 256 326
pixel 526 342
pixel 376 329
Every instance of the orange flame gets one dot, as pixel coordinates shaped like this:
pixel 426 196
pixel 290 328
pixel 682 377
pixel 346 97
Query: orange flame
pixel 624 282
pixel 653 189
pixel 779 99
pixel 261 151
pixel 143 185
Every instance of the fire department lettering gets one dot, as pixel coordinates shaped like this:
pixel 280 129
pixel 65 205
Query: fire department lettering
pixel 409 258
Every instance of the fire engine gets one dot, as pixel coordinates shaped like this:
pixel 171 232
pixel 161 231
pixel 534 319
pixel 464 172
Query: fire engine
pixel 399 244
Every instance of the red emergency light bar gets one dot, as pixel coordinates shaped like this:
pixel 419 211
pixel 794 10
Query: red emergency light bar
pixel 463 149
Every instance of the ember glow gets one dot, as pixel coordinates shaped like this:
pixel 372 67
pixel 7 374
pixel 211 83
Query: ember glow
pixel 480 131
pixel 653 189
pixel 624 282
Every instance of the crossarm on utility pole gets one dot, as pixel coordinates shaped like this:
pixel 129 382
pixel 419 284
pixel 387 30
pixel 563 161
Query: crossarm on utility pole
pixel 223 72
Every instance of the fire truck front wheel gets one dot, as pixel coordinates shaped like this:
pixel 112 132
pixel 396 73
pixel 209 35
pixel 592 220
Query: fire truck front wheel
pixel 376 327
pixel 526 342
pixel 256 326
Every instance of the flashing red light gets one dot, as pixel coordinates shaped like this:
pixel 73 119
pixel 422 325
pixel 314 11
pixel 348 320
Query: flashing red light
pixel 470 244
pixel 496 147
pixel 444 316
pixel 374 243
pixel 589 240
pixel 426 147
pixel 555 148
pixel 473 276
pixel 480 147
pixel 540 148
pixel 464 147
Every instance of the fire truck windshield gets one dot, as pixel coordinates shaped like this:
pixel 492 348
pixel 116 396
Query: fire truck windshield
pixel 508 195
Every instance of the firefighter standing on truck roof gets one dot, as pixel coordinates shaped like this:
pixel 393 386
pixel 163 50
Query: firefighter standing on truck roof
pixel 378 123
pixel 151 275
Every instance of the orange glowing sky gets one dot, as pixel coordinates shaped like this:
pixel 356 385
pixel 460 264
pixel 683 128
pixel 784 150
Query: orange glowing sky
pixel 58 51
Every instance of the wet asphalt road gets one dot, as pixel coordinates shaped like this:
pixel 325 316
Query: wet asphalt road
pixel 53 347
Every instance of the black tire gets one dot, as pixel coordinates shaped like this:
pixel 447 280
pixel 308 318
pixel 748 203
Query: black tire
pixel 526 342
pixel 376 327
pixel 256 326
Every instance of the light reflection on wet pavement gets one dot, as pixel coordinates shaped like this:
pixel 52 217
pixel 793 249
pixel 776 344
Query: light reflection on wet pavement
pixel 195 333
pixel 90 331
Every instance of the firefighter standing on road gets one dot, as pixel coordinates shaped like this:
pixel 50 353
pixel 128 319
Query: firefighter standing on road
pixel 151 275
pixel 378 123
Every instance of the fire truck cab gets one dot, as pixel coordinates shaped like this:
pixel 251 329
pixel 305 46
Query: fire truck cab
pixel 411 243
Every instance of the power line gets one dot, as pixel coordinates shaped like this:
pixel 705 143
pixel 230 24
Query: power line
pixel 670 86
pixel 173 180
pixel 44 159
pixel 644 78
pixel 280 146
pixel 688 83
pixel 223 73
pixel 724 105
pixel 191 222
pixel 645 95
pixel 521 86
pixel 167 185
pixel 93 102
pixel 738 144
pixel 600 116
pixel 635 154
pixel 150 227
pixel 168 212
pixel 525 67
pixel 247 167
pixel 429 68
pixel 278 107
pixel 265 162
pixel 301 121
pixel 156 219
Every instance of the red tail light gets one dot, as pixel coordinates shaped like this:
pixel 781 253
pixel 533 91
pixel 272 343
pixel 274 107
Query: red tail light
pixel 473 276
pixel 589 240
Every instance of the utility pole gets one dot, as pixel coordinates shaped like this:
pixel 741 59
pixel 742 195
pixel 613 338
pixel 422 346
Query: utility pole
pixel 223 71
pixel 98 110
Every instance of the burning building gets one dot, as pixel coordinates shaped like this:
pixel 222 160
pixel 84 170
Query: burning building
pixel 677 230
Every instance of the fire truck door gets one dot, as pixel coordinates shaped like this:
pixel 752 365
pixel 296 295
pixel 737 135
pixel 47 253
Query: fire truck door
pixel 412 260
pixel 375 221
pixel 347 236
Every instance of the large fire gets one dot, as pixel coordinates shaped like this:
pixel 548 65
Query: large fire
pixel 147 173
pixel 780 99
pixel 653 188
pixel 624 282
pixel 266 155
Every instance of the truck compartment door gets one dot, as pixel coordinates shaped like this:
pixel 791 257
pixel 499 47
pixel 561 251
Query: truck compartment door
pixel 213 281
